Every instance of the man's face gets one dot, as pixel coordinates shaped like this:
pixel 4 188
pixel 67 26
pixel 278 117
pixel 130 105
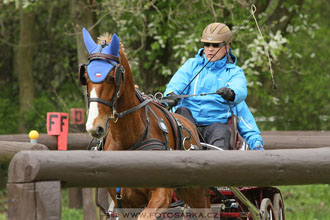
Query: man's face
pixel 211 48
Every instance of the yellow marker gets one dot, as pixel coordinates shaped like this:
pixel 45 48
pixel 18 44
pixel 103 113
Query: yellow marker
pixel 33 135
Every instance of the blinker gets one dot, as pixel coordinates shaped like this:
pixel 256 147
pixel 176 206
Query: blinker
pixel 81 74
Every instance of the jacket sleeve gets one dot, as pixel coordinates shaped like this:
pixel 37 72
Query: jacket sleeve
pixel 180 79
pixel 247 126
pixel 238 84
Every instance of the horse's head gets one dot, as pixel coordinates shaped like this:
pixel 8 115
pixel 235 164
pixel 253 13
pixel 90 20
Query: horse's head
pixel 104 78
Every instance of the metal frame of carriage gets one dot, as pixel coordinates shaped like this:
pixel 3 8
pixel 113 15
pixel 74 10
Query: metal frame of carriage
pixel 244 203
pixel 248 203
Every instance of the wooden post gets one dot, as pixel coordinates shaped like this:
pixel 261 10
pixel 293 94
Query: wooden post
pixel 75 198
pixel 77 124
pixel 90 210
pixel 34 201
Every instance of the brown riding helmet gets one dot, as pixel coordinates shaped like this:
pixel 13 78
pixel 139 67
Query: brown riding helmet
pixel 216 33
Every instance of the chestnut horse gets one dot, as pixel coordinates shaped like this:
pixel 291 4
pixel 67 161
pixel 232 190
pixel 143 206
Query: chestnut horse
pixel 130 121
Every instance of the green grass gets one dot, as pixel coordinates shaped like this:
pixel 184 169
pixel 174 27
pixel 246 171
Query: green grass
pixel 307 202
pixel 3 204
pixel 69 214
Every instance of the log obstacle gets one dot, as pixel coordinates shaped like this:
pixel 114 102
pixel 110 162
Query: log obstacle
pixel 9 148
pixel 163 169
pixel 35 178
pixel 295 139
pixel 76 141
pixel 273 139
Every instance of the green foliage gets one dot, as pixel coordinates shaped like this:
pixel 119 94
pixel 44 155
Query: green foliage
pixel 3 204
pixel 67 213
pixel 71 214
pixel 55 66
pixel 159 36
pixel 303 74
pixel 8 110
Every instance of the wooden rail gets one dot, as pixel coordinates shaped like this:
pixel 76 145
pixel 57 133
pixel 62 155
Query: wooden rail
pixel 9 148
pixel 273 140
pixel 164 169
pixel 295 139
pixel 76 141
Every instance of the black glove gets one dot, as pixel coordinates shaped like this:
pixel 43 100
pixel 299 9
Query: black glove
pixel 172 99
pixel 226 93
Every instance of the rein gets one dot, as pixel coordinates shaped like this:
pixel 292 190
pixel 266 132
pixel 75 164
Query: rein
pixel 253 10
pixel 200 71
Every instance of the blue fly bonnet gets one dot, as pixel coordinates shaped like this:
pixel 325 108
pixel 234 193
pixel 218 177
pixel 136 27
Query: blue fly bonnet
pixel 102 58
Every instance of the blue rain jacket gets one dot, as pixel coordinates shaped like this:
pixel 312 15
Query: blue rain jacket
pixel 247 126
pixel 208 109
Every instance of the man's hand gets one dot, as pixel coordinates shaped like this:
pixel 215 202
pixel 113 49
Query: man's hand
pixel 259 147
pixel 226 93
pixel 173 100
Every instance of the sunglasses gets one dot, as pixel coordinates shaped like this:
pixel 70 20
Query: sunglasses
pixel 215 45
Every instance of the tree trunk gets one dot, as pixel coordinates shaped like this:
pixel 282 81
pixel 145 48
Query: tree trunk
pixel 82 16
pixel 25 64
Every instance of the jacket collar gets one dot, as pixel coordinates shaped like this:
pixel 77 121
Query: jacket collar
pixel 229 61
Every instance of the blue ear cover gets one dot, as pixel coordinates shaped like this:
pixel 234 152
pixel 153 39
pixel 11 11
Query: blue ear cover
pixel 89 42
pixel 98 70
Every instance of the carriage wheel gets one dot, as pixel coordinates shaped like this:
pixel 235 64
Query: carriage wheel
pixel 278 206
pixel 267 210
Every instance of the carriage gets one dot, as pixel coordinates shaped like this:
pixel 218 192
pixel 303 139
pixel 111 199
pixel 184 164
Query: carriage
pixel 242 203
pixel 248 203
pixel 114 103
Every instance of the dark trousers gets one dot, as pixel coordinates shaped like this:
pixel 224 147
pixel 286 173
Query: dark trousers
pixel 217 134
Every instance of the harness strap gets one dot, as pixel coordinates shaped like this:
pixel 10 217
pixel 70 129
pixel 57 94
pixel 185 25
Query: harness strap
pixel 103 56
pixel 145 134
pixel 144 103
pixel 109 104
pixel 152 144
pixel 161 125
pixel 174 126
pixel 180 135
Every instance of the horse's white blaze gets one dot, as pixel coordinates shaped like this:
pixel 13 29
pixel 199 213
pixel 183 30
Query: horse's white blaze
pixel 93 111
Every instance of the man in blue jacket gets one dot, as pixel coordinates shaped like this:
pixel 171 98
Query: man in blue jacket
pixel 217 71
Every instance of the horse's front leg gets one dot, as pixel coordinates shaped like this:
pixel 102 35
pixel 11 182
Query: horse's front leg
pixel 160 200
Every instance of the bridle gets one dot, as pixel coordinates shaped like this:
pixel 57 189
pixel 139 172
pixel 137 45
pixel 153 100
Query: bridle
pixel 117 78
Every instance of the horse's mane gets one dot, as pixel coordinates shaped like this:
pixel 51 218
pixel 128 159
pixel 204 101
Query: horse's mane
pixel 107 37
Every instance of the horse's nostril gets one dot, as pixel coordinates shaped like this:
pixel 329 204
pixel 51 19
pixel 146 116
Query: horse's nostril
pixel 99 130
